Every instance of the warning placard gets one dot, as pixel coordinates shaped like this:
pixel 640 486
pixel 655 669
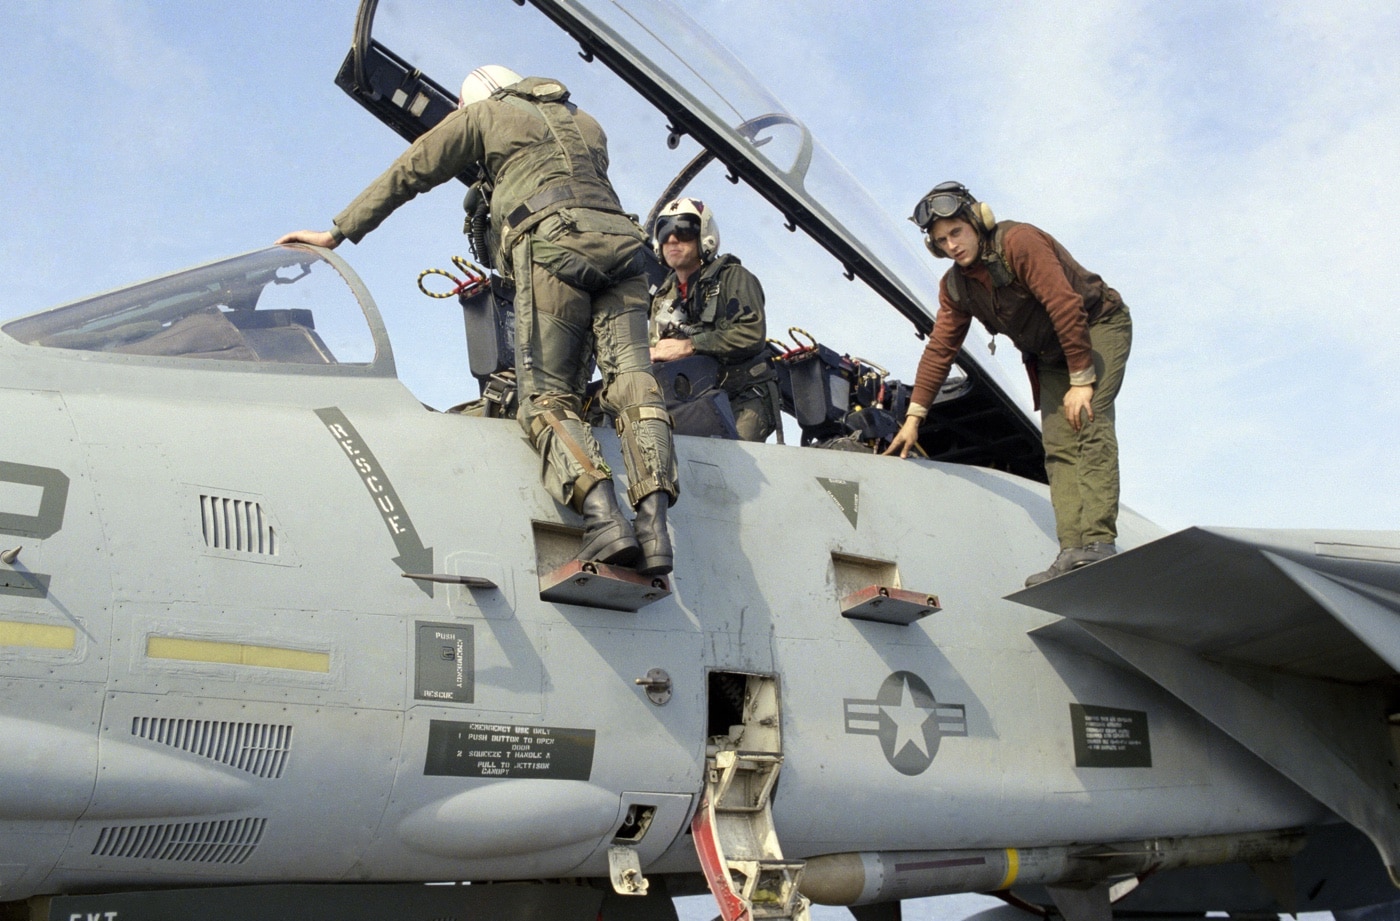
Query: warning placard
pixel 508 750
pixel 1108 737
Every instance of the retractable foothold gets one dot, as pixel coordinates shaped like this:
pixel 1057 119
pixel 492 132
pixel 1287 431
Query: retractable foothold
pixel 886 605
pixel 598 585
pixel 625 870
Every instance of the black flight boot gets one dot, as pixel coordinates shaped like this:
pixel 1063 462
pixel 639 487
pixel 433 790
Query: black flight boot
pixel 652 535
pixel 607 536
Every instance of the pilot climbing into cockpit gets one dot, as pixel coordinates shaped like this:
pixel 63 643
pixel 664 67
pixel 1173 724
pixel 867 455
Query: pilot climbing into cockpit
pixel 577 262
pixel 1074 333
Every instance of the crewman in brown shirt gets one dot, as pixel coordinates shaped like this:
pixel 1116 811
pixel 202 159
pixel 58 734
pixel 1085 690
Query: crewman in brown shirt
pixel 1074 331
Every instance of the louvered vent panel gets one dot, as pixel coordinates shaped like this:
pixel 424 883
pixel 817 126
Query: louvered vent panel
pixel 258 748
pixel 237 525
pixel 230 841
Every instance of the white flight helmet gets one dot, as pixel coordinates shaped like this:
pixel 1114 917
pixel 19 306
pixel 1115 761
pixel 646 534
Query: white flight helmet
pixel 484 81
pixel 688 213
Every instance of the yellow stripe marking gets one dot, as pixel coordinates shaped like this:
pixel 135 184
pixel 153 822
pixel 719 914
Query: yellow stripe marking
pixel 37 636
pixel 1013 868
pixel 169 647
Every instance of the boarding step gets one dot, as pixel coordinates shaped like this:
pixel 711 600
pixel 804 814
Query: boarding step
pixel 768 886
pixel 743 780
pixel 737 844
pixel 744 866
pixel 887 605
pixel 598 585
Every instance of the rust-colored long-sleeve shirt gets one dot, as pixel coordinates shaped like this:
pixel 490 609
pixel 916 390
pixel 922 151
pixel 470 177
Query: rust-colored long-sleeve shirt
pixel 1030 254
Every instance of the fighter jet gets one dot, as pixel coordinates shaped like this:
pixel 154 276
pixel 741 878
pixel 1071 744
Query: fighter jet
pixel 277 640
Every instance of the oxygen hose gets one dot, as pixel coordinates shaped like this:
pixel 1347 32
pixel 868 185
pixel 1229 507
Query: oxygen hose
pixel 478 225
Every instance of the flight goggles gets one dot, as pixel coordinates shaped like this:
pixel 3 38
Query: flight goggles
pixel 684 227
pixel 946 200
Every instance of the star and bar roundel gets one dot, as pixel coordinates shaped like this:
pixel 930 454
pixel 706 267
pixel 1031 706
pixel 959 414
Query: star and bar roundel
pixel 907 720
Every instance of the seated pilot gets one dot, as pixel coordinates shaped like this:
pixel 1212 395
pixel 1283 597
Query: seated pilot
pixel 711 305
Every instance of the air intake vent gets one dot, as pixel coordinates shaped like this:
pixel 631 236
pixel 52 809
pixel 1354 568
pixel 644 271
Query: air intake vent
pixel 231 841
pixel 260 749
pixel 237 525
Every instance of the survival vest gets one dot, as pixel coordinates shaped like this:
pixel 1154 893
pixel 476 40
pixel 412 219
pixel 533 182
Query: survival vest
pixel 559 171
pixel 704 293
pixel 1011 309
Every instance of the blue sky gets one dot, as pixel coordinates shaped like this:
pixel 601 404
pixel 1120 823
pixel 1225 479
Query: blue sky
pixel 1229 167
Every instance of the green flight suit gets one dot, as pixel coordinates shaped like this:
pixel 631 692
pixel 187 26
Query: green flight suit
pixel 576 261
pixel 722 314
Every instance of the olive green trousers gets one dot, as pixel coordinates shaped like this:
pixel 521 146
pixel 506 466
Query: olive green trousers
pixel 756 411
pixel 580 297
pixel 1082 466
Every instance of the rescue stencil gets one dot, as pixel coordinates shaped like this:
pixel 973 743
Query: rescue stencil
pixel 413 556
pixel 446 663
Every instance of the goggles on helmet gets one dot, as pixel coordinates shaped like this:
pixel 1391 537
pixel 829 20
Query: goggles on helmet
pixel 946 200
pixel 684 227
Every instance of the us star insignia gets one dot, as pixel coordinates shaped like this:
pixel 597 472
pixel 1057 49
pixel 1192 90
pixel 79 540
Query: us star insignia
pixel 907 720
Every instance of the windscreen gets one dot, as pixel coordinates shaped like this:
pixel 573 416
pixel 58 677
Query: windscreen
pixel 284 305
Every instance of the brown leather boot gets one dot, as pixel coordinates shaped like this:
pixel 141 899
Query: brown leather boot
pixel 1063 564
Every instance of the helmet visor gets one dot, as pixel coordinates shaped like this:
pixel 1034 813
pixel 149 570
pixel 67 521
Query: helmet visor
pixel 945 200
pixel 684 227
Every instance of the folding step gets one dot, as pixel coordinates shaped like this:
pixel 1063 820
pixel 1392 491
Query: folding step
pixel 756 773
pixel 888 605
pixel 733 828
pixel 746 886
pixel 598 585
pixel 770 887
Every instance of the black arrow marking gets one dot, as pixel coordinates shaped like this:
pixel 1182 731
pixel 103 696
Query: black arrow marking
pixel 413 556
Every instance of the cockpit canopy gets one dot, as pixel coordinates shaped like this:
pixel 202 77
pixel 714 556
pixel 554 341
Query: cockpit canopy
pixel 283 305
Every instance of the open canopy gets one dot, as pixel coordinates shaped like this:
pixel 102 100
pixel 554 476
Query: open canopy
pixel 708 95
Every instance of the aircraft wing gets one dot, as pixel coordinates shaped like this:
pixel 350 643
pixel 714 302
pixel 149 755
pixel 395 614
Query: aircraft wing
pixel 1313 604
pixel 1289 641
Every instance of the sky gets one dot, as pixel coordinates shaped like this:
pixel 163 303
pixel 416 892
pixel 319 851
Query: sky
pixel 1232 168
